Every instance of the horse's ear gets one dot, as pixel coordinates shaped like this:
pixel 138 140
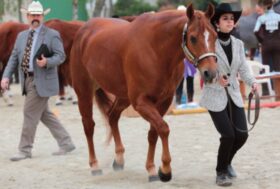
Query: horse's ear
pixel 190 11
pixel 210 11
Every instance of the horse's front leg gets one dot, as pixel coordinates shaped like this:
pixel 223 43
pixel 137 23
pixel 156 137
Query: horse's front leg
pixel 150 164
pixel 152 139
pixel 148 111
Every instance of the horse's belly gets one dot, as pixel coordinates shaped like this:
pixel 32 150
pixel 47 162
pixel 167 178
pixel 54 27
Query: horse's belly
pixel 109 77
pixel 114 86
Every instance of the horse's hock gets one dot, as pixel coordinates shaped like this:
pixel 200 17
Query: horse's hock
pixel 131 112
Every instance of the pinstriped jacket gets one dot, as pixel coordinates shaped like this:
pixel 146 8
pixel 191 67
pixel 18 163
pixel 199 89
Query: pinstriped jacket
pixel 214 97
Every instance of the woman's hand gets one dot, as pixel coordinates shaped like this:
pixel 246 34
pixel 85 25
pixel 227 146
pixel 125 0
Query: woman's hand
pixel 223 80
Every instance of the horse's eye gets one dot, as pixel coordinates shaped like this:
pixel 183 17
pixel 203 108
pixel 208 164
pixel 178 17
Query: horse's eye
pixel 193 39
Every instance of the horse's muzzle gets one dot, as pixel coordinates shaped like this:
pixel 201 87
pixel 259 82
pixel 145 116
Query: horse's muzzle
pixel 208 76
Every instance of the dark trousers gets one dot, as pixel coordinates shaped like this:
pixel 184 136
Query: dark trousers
pixel 271 57
pixel 231 140
pixel 189 87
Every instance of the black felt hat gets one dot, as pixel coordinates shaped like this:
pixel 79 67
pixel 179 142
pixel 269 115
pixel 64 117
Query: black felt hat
pixel 224 8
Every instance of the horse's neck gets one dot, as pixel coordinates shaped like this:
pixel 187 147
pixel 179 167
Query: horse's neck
pixel 171 40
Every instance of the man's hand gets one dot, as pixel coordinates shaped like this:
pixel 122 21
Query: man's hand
pixel 41 62
pixel 5 84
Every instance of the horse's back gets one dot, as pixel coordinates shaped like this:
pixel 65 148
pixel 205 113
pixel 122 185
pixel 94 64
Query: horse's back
pixel 100 24
pixel 99 32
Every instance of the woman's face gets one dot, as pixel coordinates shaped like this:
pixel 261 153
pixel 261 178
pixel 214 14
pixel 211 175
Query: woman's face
pixel 226 22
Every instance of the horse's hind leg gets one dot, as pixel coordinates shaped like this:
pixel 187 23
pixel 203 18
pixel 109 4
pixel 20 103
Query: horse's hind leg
pixel 84 92
pixel 114 117
pixel 112 112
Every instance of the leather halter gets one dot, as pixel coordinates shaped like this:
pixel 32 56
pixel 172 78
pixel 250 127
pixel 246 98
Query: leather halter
pixel 188 53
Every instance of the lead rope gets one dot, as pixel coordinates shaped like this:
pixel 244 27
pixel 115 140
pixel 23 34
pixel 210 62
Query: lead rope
pixel 257 110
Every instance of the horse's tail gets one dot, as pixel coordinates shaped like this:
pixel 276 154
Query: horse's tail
pixel 105 105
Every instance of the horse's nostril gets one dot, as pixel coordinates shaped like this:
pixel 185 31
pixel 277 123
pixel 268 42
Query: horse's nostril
pixel 206 74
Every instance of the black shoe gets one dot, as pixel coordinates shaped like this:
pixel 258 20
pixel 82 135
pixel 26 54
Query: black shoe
pixel 222 179
pixel 230 171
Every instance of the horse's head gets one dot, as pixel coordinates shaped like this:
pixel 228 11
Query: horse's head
pixel 199 42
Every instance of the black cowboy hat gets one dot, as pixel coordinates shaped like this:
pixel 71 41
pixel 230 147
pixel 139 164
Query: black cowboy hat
pixel 224 8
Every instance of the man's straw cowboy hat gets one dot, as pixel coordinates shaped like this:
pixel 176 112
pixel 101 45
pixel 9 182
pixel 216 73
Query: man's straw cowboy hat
pixel 35 8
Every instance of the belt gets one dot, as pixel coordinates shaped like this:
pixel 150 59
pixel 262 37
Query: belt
pixel 29 74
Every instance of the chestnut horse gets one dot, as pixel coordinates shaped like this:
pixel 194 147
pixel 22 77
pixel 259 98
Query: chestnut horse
pixel 8 35
pixel 67 30
pixel 138 63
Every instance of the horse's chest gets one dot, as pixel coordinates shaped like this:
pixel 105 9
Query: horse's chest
pixel 168 88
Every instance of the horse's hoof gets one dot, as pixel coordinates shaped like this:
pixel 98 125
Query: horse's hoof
pixel 117 167
pixel 153 178
pixel 96 172
pixel 164 177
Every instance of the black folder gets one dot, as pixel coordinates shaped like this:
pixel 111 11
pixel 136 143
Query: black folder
pixel 43 50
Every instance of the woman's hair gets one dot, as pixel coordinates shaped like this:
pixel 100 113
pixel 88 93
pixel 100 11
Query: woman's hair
pixel 266 3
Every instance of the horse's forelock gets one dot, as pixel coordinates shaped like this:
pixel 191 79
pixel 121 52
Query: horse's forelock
pixel 204 22
pixel 199 20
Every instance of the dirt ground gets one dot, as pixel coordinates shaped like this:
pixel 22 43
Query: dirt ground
pixel 193 143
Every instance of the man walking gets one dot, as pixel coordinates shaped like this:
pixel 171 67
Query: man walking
pixel 39 80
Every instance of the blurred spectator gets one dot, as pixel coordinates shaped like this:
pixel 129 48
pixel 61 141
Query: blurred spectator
pixel 267 32
pixel 189 73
